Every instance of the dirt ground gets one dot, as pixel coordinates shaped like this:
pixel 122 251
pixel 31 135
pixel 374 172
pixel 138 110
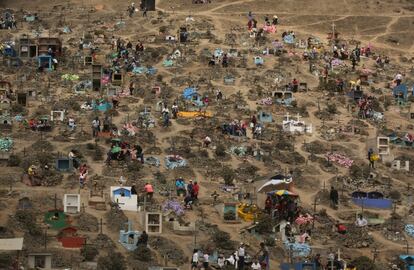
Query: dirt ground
pixel 385 25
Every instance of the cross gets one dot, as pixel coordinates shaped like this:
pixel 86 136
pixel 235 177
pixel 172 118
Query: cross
pixel 315 203
pixel 101 225
pixel 407 247
pixel 375 253
pixel 394 208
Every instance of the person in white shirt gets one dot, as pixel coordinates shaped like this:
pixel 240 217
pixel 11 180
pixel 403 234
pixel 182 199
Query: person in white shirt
pixel 256 265
pixel 194 260
pixel 398 79
pixel 220 261
pixel 71 123
pixel 361 221
pixel 205 261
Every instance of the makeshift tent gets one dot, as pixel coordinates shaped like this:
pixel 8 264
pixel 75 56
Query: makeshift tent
pixel 282 192
pixel 408 261
pixel 189 92
pixel 276 184
pixel 400 91
pixel 372 199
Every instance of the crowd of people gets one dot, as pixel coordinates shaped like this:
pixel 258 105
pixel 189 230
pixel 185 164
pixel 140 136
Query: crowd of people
pixel 188 191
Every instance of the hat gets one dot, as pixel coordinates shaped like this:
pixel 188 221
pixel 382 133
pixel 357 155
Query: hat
pixel 275 17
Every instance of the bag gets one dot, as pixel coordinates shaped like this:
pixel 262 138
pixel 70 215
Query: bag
pixel 251 125
pixel 374 157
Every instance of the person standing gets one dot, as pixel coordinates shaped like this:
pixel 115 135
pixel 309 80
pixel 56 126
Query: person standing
pixel 333 196
pixel 190 187
pixel 149 190
pixel 194 260
pixel 196 189
pixel 205 260
pixel 264 256
pixel 371 158
pixel 241 252
pixel 96 127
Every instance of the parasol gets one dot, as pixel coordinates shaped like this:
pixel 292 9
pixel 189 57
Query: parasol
pixel 282 192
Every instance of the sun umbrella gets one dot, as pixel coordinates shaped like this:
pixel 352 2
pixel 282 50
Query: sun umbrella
pixel 272 185
pixel 116 149
pixel 282 192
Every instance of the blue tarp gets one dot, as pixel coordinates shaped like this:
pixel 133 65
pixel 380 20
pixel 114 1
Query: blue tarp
pixel 258 61
pixel 168 63
pixel 154 161
pixel 172 162
pixel 409 229
pixel 101 106
pixel 297 249
pixel 189 92
pixel 9 51
pixel 218 52
pixel 289 39
pixel 400 89
pixel 371 200
pixel 142 70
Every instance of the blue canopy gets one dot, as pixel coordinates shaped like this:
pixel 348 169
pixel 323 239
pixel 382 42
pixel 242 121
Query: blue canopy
pixel 189 92
pixel 400 89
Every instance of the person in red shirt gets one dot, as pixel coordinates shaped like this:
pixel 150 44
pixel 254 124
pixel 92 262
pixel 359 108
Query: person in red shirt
pixel 341 228
pixel 196 189
pixel 295 84
pixel 149 190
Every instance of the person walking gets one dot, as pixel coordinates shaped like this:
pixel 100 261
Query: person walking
pixel 241 252
pixel 333 196
pixel 96 127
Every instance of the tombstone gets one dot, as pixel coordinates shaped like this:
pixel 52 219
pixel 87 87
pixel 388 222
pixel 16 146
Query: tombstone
pixel 148 4
pixel 125 197
pixel 303 87
pixel 71 203
pixel 265 117
pixel 44 43
pixel 97 77
pixel 39 261
pixel 97 199
pixel 27 47
pixel 112 91
pixel 6 123
pixel 70 239
pixel 129 238
pixel 396 165
pixel 258 61
pixel 22 98
pixel 383 145
pixel 117 79
pixel 230 212
pixel 184 229
pixel 229 80
pixel 153 222
pixel 25 203
pixel 183 34
pixel 88 60
pixel 64 164
pixel 44 61
pixel 57 116
pixel 170 38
